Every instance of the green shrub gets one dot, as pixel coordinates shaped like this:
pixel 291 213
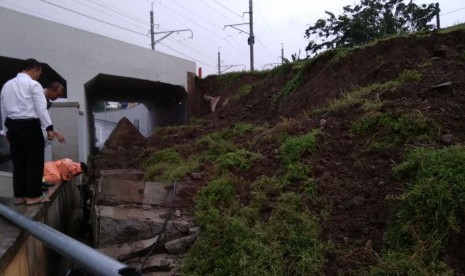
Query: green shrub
pixel 294 147
pixel 238 240
pixel 214 197
pixel 409 76
pixel 244 90
pixel 242 128
pixel 215 145
pixel 430 210
pixel 168 172
pixel 394 128
pixel 241 159
pixel 296 171
pixel 292 85
pixel 341 54
pixel 403 263
pixel 168 155
pixel 281 70
pixel 359 94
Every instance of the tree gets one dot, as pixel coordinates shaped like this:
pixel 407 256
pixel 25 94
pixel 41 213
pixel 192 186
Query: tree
pixel 369 20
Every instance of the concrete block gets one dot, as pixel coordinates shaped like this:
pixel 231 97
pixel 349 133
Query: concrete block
pixel 6 184
pixel 115 224
pixel 180 245
pixel 123 174
pixel 117 250
pixel 127 191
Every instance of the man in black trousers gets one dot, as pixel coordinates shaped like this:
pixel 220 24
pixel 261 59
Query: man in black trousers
pixel 24 113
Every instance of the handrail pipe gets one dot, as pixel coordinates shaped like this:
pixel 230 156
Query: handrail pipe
pixel 82 255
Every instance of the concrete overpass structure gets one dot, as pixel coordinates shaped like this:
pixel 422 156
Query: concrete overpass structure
pixel 95 68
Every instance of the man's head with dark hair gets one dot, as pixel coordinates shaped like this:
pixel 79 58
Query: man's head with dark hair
pixel 32 67
pixel 31 64
pixel 54 91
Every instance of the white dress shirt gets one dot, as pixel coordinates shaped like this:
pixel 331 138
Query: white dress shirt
pixel 23 98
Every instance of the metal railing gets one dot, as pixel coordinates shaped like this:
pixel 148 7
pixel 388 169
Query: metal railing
pixel 83 256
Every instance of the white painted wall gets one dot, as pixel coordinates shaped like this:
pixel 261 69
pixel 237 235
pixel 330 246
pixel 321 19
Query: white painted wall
pixel 78 56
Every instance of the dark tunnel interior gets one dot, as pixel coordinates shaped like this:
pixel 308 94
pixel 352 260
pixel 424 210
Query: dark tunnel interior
pixel 167 103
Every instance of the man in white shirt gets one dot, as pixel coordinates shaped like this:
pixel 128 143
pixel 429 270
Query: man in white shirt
pixel 24 113
pixel 54 91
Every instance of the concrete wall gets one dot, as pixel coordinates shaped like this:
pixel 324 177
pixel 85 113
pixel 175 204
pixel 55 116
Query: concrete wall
pixel 21 253
pixel 78 56
pixel 66 119
pixel 6 184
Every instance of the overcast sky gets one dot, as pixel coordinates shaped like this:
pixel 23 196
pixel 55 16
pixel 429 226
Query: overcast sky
pixel 277 24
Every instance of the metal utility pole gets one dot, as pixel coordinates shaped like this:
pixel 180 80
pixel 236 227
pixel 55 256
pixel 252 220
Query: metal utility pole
pixel 282 53
pixel 227 67
pixel 167 33
pixel 152 31
pixel 219 62
pixel 251 39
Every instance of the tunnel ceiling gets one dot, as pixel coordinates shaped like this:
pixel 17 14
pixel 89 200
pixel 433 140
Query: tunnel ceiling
pixel 116 88
pixel 9 67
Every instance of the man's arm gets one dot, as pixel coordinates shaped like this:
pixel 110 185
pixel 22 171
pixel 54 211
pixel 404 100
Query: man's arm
pixel 60 136
pixel 40 106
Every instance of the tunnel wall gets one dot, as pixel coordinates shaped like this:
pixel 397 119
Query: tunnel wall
pixel 78 56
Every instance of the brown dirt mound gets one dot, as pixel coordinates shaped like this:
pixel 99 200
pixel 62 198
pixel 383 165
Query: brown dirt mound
pixel 353 180
pixel 125 135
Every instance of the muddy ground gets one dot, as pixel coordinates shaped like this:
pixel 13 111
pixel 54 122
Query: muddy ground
pixel 353 180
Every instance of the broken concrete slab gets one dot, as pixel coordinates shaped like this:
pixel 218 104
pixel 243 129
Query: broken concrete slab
pixel 180 245
pixel 119 191
pixel 115 224
pixel 117 250
pixel 163 263
pixel 123 174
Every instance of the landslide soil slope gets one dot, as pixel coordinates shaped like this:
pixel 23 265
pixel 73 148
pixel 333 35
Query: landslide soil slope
pixel 352 178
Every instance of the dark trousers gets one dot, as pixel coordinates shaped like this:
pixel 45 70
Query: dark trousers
pixel 27 155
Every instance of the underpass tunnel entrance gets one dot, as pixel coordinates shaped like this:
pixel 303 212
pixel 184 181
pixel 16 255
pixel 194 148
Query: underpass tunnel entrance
pixel 9 68
pixel 147 104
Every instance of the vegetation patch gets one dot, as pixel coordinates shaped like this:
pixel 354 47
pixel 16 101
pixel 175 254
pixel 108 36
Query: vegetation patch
pixel 167 165
pixel 395 128
pixel 293 148
pixel 281 70
pixel 244 90
pixel 168 155
pixel 341 54
pixel 292 85
pixel 358 95
pixel 238 240
pixel 240 159
pixel 431 210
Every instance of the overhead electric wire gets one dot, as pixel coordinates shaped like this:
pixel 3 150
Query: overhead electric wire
pixel 442 14
pixel 195 23
pixel 114 25
pixel 120 13
pixel 93 18
pixel 195 50
pixel 110 15
pixel 184 55
pixel 271 29
pixel 271 55
pixel 233 12
pixel 215 10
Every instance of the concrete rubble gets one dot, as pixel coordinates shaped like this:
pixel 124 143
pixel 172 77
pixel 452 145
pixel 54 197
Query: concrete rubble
pixel 130 216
